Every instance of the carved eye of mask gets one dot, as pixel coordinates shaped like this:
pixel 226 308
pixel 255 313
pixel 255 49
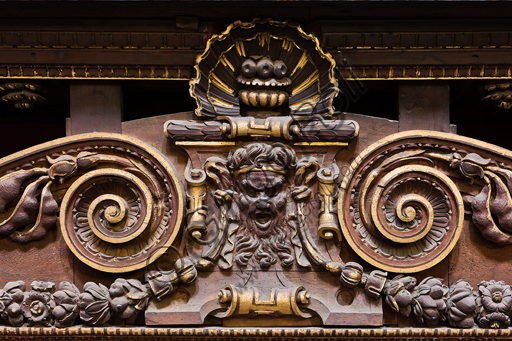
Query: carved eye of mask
pixel 265 68
pixel 279 69
pixel 249 68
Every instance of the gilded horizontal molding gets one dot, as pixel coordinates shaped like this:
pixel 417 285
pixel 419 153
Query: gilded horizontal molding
pixel 145 72
pixel 305 333
pixel 197 40
pixel 140 72
pixel 427 72
pixel 183 73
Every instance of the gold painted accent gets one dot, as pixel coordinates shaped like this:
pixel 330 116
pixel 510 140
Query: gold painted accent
pixel 460 72
pixel 302 62
pixel 306 83
pixel 220 102
pixel 327 222
pixel 116 218
pixel 311 101
pixel 196 193
pixel 263 168
pixel 273 101
pixel 29 72
pixel 287 45
pixel 220 84
pixel 263 99
pixel 239 45
pixel 410 197
pixel 205 143
pixel 252 98
pixel 39 216
pixel 227 63
pixel 356 127
pixel 321 144
pixel 251 126
pixel 142 332
pixel 245 301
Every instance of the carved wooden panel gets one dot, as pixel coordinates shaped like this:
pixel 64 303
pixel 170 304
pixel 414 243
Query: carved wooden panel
pixel 278 192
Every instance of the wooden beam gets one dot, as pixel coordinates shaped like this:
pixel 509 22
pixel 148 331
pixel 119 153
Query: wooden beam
pixel 95 107
pixel 100 56
pixel 425 107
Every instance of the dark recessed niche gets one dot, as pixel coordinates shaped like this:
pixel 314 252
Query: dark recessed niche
pixel 145 99
pixel 476 119
pixel 25 128
pixel 372 98
pixel 22 129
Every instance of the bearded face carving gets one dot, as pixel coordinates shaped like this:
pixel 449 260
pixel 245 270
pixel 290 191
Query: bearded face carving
pixel 263 200
pixel 259 175
pixel 261 191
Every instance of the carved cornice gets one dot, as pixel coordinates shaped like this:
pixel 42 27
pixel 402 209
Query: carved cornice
pixel 426 72
pixel 247 334
pixel 128 72
pixel 363 55
pixel 183 73
pixel 417 40
pixel 102 40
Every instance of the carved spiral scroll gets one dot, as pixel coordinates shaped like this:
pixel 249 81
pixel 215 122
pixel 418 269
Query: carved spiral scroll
pixel 122 217
pixel 408 217
pixel 114 218
pixel 119 201
pixel 401 214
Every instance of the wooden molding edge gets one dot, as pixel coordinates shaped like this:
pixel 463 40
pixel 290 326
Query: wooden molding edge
pixel 270 333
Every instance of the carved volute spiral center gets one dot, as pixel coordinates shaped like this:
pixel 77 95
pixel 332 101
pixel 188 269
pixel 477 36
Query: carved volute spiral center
pixel 405 214
pixel 116 212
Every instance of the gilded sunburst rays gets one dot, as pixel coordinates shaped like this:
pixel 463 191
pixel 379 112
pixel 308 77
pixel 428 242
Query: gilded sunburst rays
pixel 308 72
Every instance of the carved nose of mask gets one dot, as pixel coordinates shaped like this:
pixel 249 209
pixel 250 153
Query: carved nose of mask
pixel 262 204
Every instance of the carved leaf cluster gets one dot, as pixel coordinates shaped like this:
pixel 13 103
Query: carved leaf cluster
pixel 34 208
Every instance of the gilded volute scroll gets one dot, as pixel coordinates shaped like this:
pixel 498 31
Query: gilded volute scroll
pixel 118 201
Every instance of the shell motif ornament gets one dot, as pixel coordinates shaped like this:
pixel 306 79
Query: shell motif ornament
pixel 264 68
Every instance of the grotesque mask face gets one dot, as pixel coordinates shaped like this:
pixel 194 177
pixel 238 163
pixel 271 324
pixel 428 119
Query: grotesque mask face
pixel 262 200
pixel 260 171
pixel 263 82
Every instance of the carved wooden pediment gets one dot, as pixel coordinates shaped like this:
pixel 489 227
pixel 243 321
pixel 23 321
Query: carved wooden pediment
pixel 280 216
